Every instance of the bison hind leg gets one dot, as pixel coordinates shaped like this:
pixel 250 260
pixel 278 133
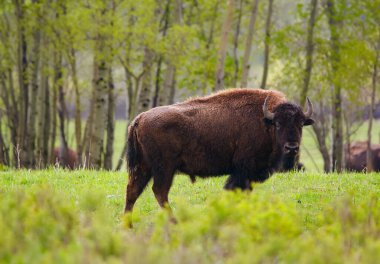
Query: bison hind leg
pixel 138 180
pixel 162 181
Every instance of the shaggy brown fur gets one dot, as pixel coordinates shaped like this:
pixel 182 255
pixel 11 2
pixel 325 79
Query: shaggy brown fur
pixel 68 160
pixel 356 156
pixel 224 133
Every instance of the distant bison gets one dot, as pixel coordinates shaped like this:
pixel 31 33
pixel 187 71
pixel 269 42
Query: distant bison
pixel 356 156
pixel 247 133
pixel 66 160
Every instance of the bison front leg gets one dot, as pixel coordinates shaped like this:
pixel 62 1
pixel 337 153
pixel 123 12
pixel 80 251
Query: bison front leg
pixel 237 181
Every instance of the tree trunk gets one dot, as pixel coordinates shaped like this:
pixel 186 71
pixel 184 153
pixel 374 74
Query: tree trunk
pixel 47 121
pixel 219 74
pixel 248 45
pixel 110 122
pixel 132 94
pixel 22 67
pixel 14 113
pixel 321 130
pixel 267 44
pixel 43 104
pixel 236 44
pixel 309 51
pixel 370 164
pixel 7 96
pixel 78 111
pixel 4 153
pixel 322 146
pixel 337 151
pixel 100 107
pixel 168 93
pixel 62 113
pixel 145 98
pixel 157 89
pixel 32 107
pixel 53 107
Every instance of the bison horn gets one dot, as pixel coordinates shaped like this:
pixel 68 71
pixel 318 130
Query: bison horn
pixel 309 110
pixel 267 114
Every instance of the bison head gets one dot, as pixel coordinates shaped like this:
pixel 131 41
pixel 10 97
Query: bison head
pixel 288 120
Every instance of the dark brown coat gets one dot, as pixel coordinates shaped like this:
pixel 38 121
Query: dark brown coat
pixel 356 156
pixel 66 160
pixel 225 133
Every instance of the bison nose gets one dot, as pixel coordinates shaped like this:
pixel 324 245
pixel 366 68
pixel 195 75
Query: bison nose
pixel 291 147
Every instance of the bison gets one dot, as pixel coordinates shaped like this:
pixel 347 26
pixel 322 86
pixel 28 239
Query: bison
pixel 356 156
pixel 66 160
pixel 246 133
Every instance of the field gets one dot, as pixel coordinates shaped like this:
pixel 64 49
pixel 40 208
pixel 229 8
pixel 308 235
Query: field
pixel 76 217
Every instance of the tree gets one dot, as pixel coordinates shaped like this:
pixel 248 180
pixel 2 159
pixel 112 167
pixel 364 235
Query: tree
pixel 110 122
pixel 370 164
pixel 309 50
pixel 248 44
pixel 334 23
pixel 267 44
pixel 219 75
pixel 236 43
pixel 22 68
pixel 100 92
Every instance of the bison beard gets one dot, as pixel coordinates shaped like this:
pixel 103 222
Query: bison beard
pixel 247 133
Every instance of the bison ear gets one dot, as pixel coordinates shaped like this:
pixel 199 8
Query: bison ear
pixel 308 122
pixel 268 121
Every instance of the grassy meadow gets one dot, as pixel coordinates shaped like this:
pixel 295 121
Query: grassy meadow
pixel 64 216
pixel 76 217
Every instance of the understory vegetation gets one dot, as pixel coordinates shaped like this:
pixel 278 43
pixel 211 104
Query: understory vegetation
pixel 76 217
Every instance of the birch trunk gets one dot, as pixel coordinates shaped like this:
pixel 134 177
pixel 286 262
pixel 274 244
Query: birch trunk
pixel 236 44
pixel 100 107
pixel 86 141
pixel 78 111
pixel 248 45
pixel 145 99
pixel 267 44
pixel 219 74
pixel 110 122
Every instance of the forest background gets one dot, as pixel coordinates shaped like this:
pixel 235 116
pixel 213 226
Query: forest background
pixel 69 69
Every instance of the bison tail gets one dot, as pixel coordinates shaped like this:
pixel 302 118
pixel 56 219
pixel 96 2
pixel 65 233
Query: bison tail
pixel 132 149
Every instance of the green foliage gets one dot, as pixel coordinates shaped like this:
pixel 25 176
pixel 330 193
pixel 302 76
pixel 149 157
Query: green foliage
pixel 66 217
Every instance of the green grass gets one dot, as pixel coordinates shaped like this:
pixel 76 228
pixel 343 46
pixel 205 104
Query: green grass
pixel 65 217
